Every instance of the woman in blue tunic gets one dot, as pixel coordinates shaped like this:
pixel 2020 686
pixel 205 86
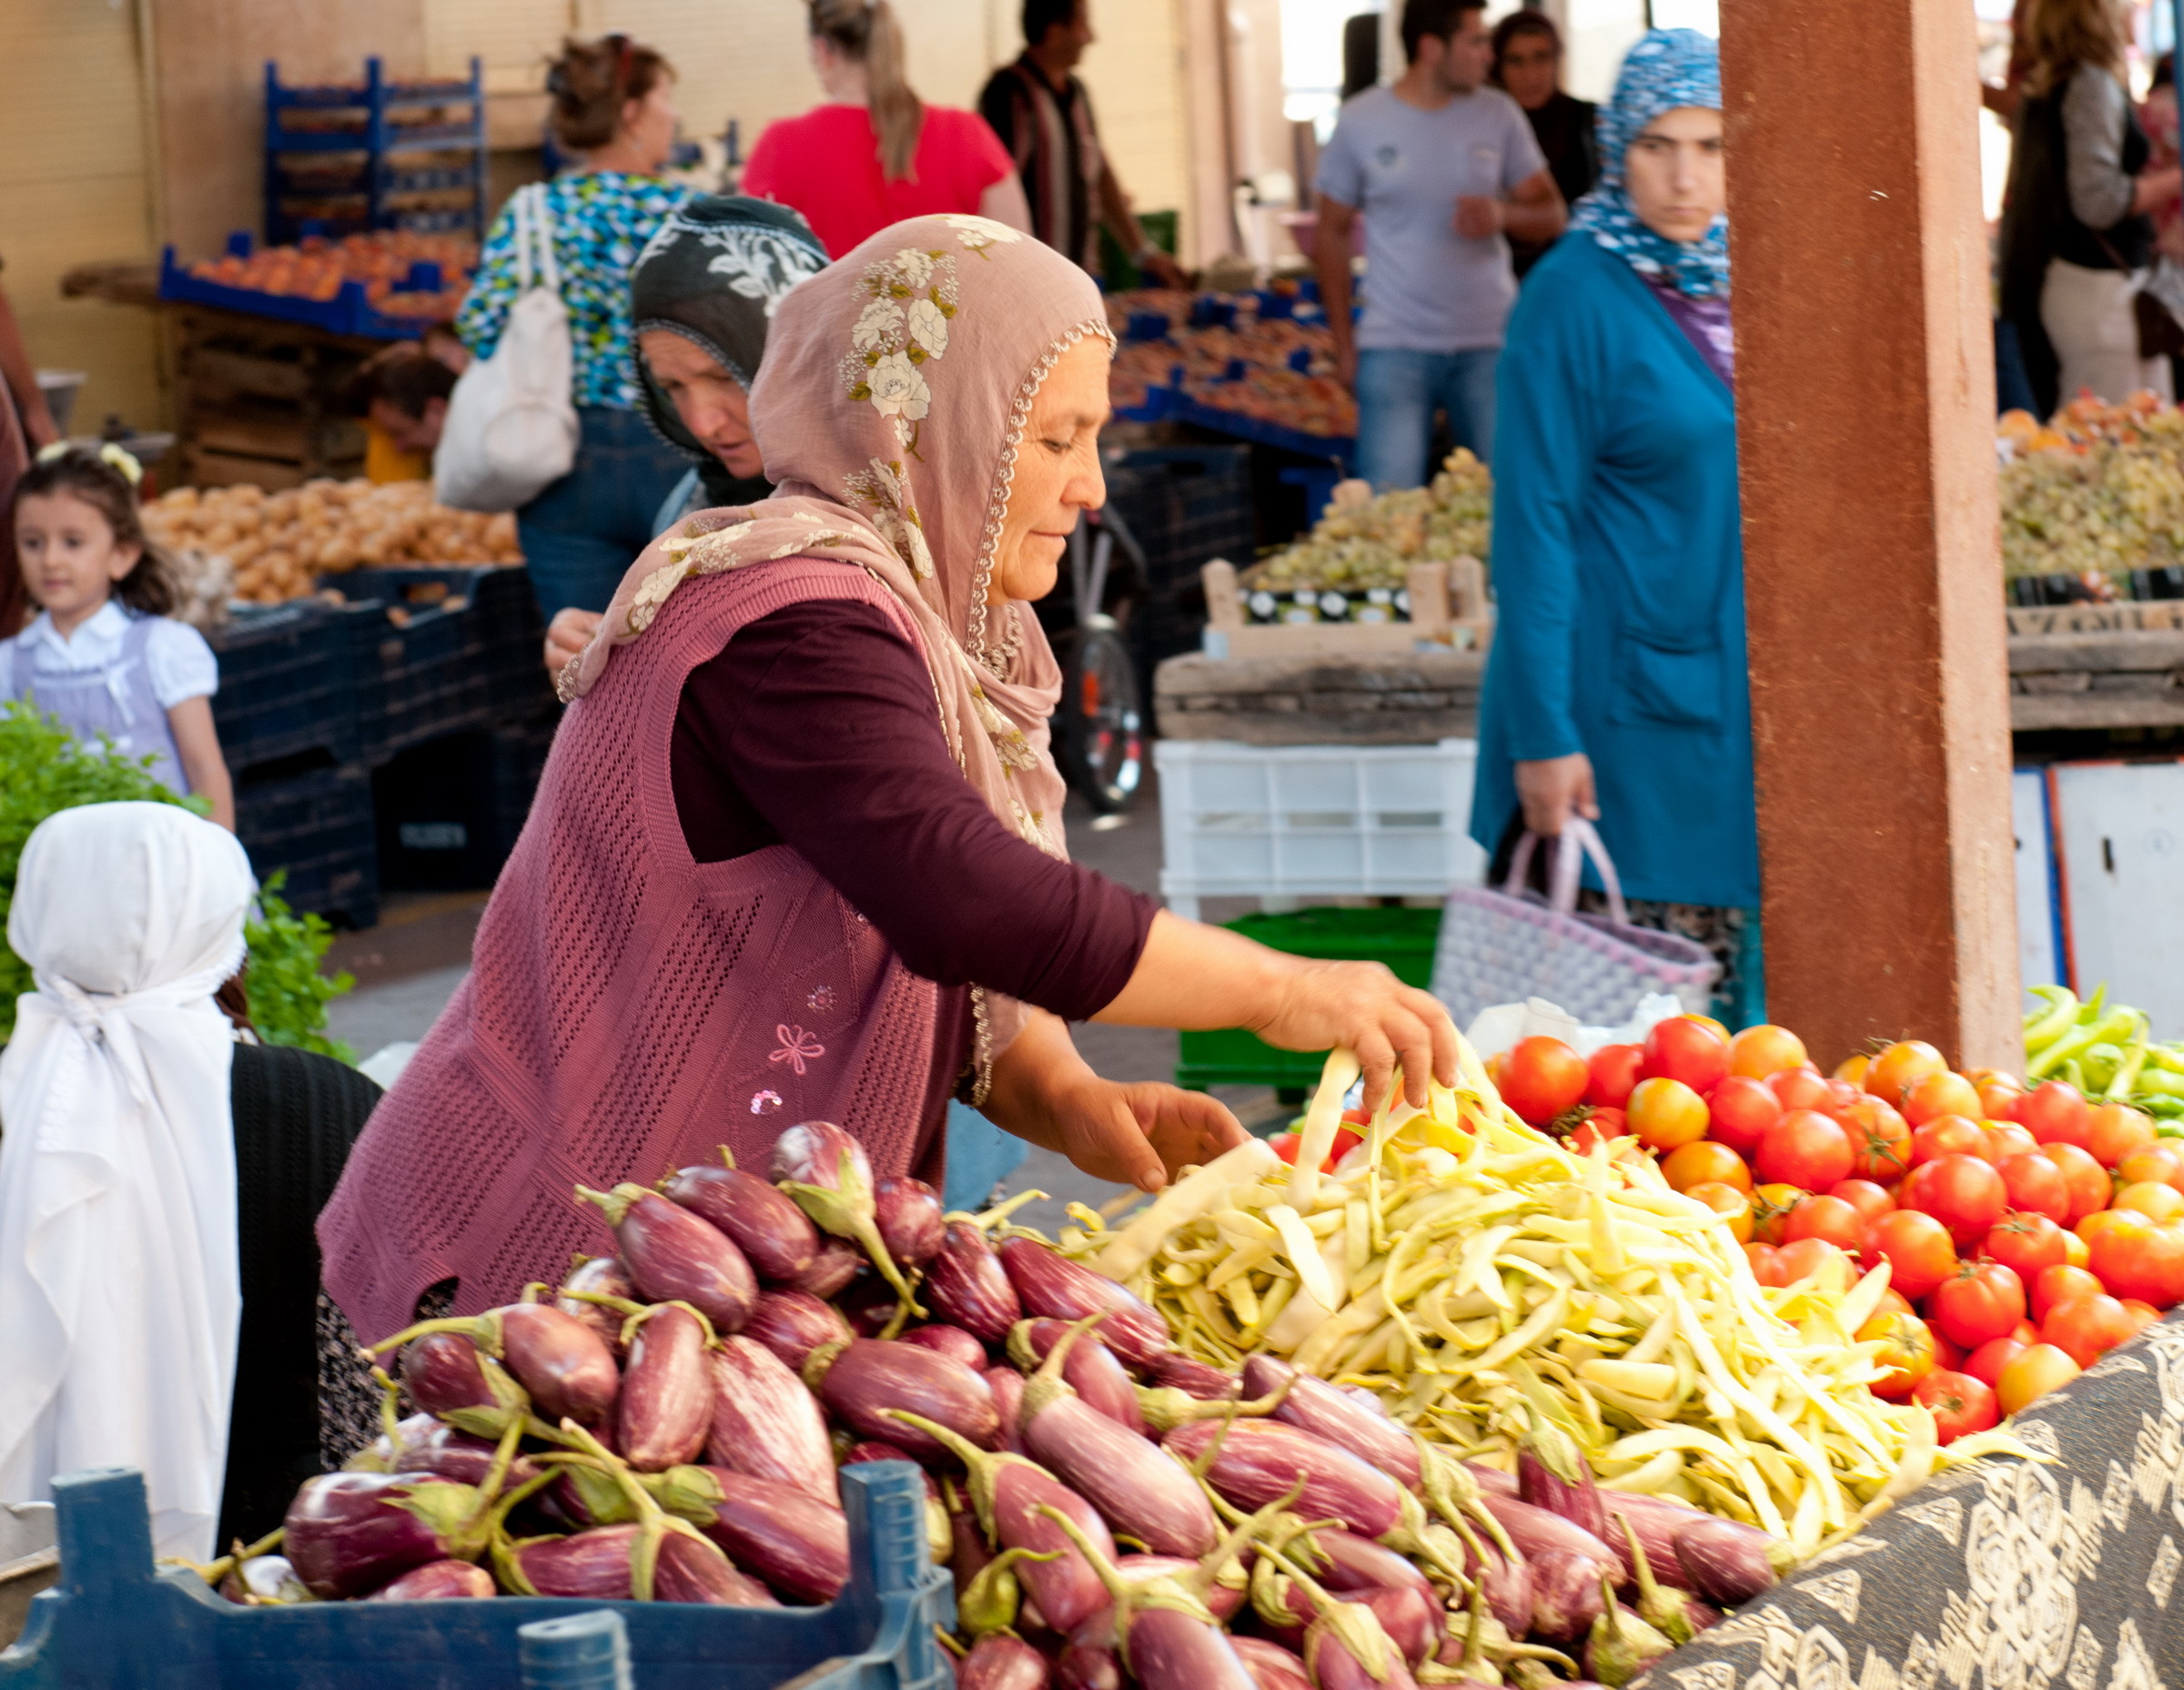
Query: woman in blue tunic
pixel 1617 688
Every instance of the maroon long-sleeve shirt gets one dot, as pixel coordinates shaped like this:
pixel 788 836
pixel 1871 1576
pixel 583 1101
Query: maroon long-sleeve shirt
pixel 814 727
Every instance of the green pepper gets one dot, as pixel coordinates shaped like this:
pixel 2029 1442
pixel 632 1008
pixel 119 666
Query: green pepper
pixel 2043 1026
pixel 2119 1024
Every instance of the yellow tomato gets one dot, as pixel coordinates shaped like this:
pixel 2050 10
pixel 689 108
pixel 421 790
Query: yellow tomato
pixel 1725 1199
pixel 1666 1113
pixel 1707 1162
pixel 1901 1067
pixel 1906 1352
pixel 2077 1252
pixel 2151 1197
pixel 1759 1052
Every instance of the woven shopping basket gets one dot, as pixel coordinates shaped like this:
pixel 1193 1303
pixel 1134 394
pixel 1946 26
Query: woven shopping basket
pixel 1504 945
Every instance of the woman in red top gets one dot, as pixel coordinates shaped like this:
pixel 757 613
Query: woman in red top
pixel 875 154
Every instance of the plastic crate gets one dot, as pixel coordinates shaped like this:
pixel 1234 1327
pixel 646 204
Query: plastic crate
pixel 448 811
pixel 285 685
pixel 1289 821
pixel 316 825
pixel 1184 506
pixel 446 651
pixel 384 129
pixel 1402 939
pixel 114 1621
pixel 348 312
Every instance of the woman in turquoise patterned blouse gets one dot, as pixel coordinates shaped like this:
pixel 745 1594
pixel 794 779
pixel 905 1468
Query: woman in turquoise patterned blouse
pixel 614 107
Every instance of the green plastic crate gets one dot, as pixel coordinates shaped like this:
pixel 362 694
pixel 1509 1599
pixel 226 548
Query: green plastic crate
pixel 1402 939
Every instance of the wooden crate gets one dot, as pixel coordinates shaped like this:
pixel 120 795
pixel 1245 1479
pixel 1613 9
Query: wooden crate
pixel 1449 607
pixel 2123 616
pixel 263 402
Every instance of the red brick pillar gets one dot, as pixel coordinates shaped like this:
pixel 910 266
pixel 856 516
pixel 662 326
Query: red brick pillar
pixel 1865 423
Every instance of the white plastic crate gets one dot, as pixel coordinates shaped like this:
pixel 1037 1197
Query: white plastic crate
pixel 1327 821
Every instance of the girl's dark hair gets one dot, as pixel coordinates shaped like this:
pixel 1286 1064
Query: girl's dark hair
pixel 83 474
pixel 592 81
pixel 1524 22
pixel 867 33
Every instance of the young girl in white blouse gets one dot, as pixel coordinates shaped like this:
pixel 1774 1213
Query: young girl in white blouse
pixel 102 655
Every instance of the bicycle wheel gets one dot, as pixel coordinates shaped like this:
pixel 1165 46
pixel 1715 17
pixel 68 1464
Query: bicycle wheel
pixel 1100 725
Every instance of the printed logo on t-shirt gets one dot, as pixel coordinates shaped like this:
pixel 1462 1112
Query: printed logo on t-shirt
pixel 1388 157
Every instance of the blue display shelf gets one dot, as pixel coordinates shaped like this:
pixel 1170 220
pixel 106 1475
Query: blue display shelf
pixel 1173 404
pixel 348 312
pixel 375 133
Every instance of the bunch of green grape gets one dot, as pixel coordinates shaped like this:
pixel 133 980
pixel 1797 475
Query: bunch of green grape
pixel 1357 547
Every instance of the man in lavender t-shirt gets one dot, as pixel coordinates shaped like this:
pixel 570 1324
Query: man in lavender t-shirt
pixel 1443 168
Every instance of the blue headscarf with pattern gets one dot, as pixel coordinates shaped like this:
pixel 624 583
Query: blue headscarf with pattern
pixel 1668 68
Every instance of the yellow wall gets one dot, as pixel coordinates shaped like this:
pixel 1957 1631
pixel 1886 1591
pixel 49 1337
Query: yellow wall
pixel 74 187
pixel 746 59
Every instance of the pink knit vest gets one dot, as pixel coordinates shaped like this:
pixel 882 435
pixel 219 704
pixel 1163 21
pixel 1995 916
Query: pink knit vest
pixel 628 1009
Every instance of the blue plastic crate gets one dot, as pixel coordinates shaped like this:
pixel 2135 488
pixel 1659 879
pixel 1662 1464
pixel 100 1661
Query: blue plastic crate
pixel 114 1621
pixel 317 827
pixel 464 650
pixel 285 685
pixel 348 312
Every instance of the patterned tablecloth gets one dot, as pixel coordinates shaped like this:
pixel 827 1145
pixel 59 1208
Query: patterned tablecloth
pixel 2002 1575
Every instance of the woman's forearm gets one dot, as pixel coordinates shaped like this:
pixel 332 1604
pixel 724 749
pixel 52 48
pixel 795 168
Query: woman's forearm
pixel 1038 1066
pixel 1194 977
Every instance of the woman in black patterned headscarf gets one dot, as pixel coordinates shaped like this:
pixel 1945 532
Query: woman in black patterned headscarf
pixel 702 295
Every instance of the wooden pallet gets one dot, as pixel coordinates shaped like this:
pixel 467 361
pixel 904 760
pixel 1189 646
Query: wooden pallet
pixel 1449 608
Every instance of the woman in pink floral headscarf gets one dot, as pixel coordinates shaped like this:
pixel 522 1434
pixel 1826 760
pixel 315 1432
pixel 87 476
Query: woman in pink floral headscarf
pixel 798 851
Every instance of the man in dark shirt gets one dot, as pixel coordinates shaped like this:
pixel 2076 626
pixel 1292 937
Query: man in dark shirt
pixel 1043 116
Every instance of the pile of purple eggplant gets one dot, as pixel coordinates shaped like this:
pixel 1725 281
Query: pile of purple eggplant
pixel 669 1425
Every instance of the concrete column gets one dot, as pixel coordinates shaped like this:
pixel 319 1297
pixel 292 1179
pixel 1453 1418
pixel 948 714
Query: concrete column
pixel 1864 424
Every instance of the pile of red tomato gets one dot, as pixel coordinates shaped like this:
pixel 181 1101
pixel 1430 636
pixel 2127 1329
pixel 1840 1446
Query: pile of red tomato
pixel 2026 1231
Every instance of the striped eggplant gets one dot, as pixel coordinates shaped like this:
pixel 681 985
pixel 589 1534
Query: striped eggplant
pixel 1001 1661
pixel 967 1286
pixel 1506 1583
pixel 1091 1368
pixel 1172 1370
pixel 1728 1562
pixel 1656 1521
pixel 1008 1493
pixel 775 1532
pixel 1007 1386
pixel 1272 1666
pixel 830 1177
pixel 348 1533
pixel 775 1237
pixel 1165 1635
pixel 1261 1459
pixel 424 1444
pixel 1412 1618
pixel 675 1257
pixel 1049 1284
pixel 1535 1530
pixel 1492 1480
pixel 594 1565
pixel 793 1325
pixel 667 1392
pixel 1337 1416
pixel 1351 1566
pixel 1225 1597
pixel 1088 1660
pixel 1347 1648
pixel 436 1580
pixel 602 1277
pixel 1553 1473
pixel 693 1569
pixel 446 1374
pixel 863 1382
pixel 1140 1491
pixel 832 1270
pixel 1565 1594
pixel 562 1361
pixel 1676 1614
pixel 949 1341
pixel 907 1213
pixel 765 1424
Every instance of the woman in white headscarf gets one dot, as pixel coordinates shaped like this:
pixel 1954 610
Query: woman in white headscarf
pixel 149 1168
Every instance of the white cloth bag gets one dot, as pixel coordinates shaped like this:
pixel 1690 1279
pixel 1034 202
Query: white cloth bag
pixel 511 427
pixel 120 1284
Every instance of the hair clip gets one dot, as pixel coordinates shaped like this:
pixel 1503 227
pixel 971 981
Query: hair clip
pixel 57 449
pixel 123 462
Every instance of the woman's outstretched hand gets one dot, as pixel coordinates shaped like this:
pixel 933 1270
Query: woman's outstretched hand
pixel 1193 976
pixel 1140 1133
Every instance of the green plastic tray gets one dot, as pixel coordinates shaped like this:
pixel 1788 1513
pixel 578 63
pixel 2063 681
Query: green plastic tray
pixel 1402 939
